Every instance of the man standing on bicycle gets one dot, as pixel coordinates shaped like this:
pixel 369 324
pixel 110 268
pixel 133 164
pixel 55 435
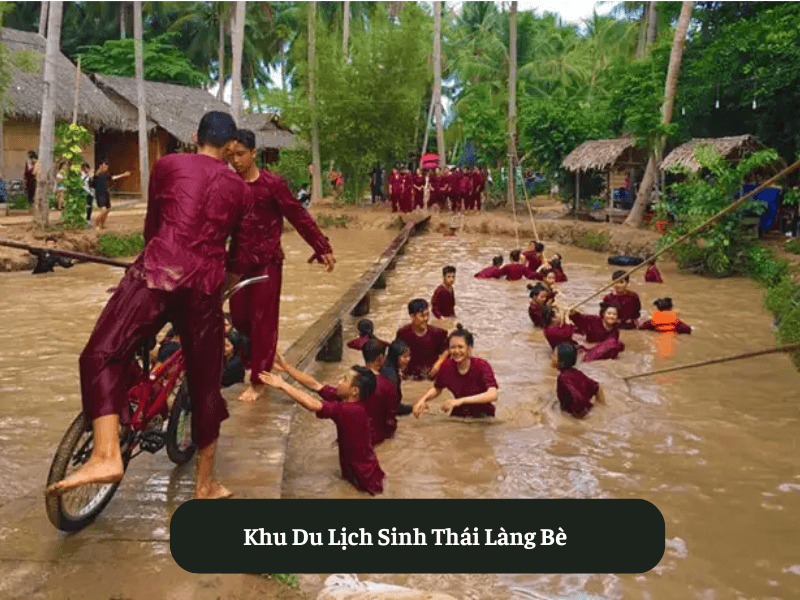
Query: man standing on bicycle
pixel 195 202
pixel 256 250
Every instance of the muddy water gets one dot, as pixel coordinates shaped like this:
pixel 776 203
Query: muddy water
pixel 714 448
pixel 46 320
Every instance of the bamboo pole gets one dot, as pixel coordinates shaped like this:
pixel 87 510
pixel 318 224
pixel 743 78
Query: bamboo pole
pixel 77 91
pixel 527 199
pixel 721 359
pixel 37 250
pixel 733 206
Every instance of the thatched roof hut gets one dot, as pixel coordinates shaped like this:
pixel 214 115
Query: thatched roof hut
pixel 601 155
pixel 178 109
pixel 733 148
pixel 95 110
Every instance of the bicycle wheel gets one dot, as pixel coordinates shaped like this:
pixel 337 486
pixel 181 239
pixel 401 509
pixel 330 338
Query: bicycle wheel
pixel 180 446
pixel 76 508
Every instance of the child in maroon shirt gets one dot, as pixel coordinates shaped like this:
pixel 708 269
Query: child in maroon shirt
pixel 381 405
pixel 574 389
pixel 533 255
pixel 556 331
pixel 366 332
pixel 356 453
pixel 540 296
pixel 428 344
pixel 601 330
pixel 492 272
pixel 443 302
pixel 470 379
pixel 630 307
pixel 652 275
pixel 515 270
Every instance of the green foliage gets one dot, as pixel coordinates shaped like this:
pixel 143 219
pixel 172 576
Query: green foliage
pixel 18 202
pixel 783 299
pixel 290 580
pixel 725 248
pixel 337 221
pixel 793 246
pixel 597 241
pixel 114 245
pixel 292 165
pixel 70 141
pixel 791 197
pixel 162 61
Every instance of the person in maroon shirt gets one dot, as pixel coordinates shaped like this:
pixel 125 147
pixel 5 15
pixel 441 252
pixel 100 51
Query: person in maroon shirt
pixel 406 190
pixel 195 203
pixel 381 405
pixel 573 388
pixel 256 250
pixel 443 302
pixel 556 330
pixel 549 281
pixel 540 297
pixel 652 275
pixel 470 379
pixel 603 331
pixel 533 255
pixel 554 265
pixel 428 344
pixel 397 358
pixel 630 307
pixel 418 181
pixel 516 270
pixel 395 187
pixel 465 190
pixel 357 458
pixel 478 185
pixel 492 272
pixel 366 332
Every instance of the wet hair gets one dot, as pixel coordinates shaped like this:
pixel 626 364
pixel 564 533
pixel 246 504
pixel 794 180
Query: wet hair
pixel 246 138
pixel 418 305
pixel 663 303
pixel 604 306
pixel 365 381
pixel 32 154
pixel 548 314
pixel 372 350
pixel 366 327
pixel 497 260
pixel 567 355
pixel 449 269
pixel 396 349
pixel 618 274
pixel 459 331
pixel 514 255
pixel 555 264
pixel 216 129
pixel 539 247
pixel 557 256
pixel 537 289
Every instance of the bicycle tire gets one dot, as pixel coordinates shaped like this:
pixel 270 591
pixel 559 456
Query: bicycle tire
pixel 180 446
pixel 75 448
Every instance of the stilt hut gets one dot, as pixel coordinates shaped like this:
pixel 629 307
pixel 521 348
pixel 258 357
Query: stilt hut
pixel 617 161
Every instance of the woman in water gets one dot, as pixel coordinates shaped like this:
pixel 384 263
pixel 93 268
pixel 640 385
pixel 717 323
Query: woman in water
pixel 470 379
pixel 602 330
pixel 396 362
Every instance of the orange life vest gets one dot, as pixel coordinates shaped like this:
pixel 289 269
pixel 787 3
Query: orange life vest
pixel 665 321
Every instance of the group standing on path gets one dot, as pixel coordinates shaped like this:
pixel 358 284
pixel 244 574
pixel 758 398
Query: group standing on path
pixel 442 189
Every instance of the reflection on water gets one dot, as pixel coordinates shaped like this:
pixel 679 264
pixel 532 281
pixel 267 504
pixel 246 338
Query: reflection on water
pixel 714 448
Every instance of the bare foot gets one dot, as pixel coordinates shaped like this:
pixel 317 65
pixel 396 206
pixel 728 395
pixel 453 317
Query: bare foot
pixel 251 394
pixel 94 471
pixel 214 491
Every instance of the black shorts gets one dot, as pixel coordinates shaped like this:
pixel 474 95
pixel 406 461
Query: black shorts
pixel 104 202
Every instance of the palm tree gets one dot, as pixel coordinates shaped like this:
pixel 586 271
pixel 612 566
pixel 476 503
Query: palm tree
pixel 237 45
pixel 437 80
pixel 512 103
pixel 316 184
pixel 144 162
pixel 643 197
pixel 48 123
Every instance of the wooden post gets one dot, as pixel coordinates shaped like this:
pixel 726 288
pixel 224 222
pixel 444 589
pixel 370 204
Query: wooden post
pixel 362 308
pixel 577 191
pixel 144 159
pixel 380 282
pixel 332 350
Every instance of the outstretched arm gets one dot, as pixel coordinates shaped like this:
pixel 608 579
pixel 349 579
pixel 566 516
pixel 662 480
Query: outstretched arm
pixel 422 404
pixel 295 394
pixel 304 379
pixel 489 395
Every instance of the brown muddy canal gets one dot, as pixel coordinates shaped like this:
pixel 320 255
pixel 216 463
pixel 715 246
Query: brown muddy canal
pixel 715 449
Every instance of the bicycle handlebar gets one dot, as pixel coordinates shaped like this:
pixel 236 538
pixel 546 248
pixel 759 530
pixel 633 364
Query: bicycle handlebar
pixel 242 284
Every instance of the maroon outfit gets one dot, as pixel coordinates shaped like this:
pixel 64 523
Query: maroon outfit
pixel 516 271
pixel 533 258
pixel 608 344
pixel 443 302
pixel 561 277
pixel 653 275
pixel 382 409
pixel 406 192
pixel 478 185
pixel 356 454
pixel 465 190
pixel 451 181
pixel 395 190
pixel 425 349
pixel 328 392
pixel 575 391
pixel 630 308
pixel 560 334
pixel 478 379
pixel 419 194
pixel 256 250
pixel 358 343
pixel 489 273
pixel 535 313
pixel 195 203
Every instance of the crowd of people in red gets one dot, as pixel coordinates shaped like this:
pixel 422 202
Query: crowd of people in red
pixel 456 190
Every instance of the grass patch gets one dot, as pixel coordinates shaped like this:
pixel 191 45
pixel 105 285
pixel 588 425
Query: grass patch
pixel 793 246
pixel 591 240
pixel 18 202
pixel 338 221
pixel 290 580
pixel 114 245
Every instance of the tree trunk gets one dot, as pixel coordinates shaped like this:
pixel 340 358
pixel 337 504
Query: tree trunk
pixel 652 25
pixel 642 46
pixel 46 176
pixel 427 129
pixel 43 19
pixel 512 104
pixel 123 18
pixel 237 43
pixel 345 28
pixel 221 50
pixel 144 159
pixel 437 80
pixel 643 197
pixel 316 184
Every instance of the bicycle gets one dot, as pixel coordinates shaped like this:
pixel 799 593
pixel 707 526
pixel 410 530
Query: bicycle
pixel 155 423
